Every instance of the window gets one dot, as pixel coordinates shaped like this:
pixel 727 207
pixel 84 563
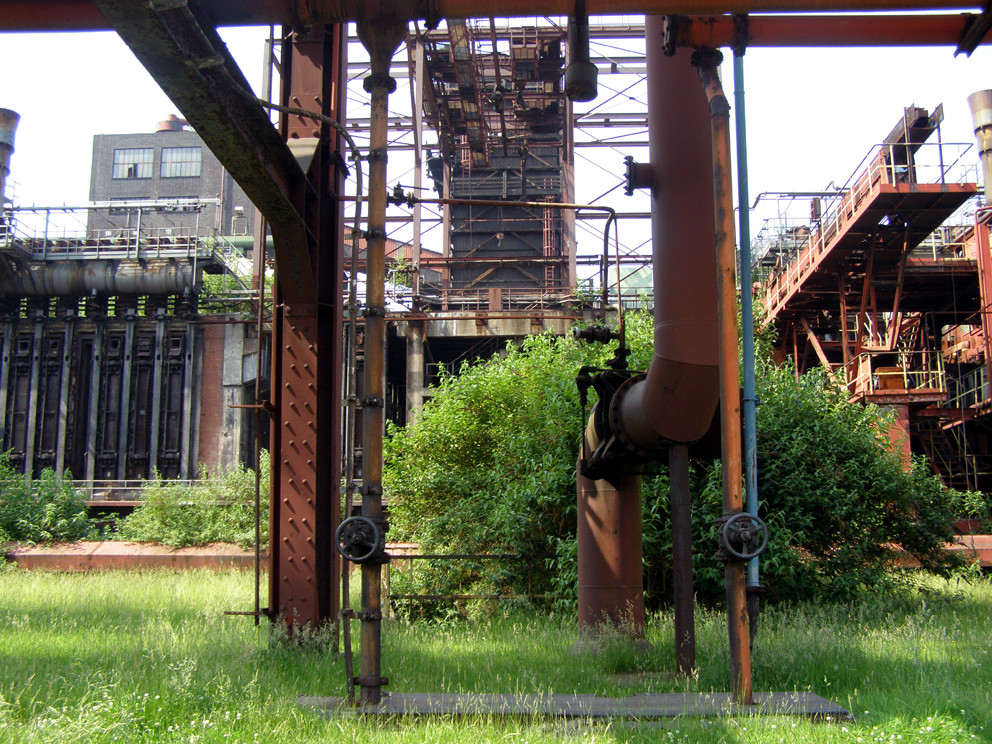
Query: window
pixel 136 163
pixel 181 162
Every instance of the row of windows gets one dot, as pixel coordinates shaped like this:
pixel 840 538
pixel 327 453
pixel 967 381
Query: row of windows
pixel 176 162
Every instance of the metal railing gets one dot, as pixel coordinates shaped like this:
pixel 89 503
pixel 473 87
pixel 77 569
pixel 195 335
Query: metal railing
pixel 798 247
pixel 916 370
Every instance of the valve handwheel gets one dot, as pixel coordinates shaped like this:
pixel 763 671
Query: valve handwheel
pixel 359 539
pixel 744 536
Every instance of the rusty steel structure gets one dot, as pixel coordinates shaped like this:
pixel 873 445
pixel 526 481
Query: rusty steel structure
pixel 884 285
pixel 294 175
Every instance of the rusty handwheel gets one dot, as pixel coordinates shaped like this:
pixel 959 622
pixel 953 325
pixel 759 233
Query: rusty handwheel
pixel 743 536
pixel 359 539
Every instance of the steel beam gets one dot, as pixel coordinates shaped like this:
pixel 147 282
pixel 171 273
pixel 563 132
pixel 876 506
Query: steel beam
pixel 84 15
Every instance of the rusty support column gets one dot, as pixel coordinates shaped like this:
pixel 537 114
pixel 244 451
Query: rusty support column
pixel 611 587
pixel 708 61
pixel 685 622
pixel 381 36
pixel 307 350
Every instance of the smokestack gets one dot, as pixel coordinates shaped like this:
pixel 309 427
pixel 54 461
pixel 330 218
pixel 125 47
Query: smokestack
pixel 981 113
pixel 8 125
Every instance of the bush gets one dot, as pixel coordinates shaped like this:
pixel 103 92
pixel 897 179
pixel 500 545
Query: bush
pixel 213 509
pixel 490 467
pixel 47 509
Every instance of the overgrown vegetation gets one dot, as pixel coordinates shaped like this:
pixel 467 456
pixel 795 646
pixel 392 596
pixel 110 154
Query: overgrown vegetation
pixel 490 467
pixel 42 510
pixel 215 508
pixel 150 657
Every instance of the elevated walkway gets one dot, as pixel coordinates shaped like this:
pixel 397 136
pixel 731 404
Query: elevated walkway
pixel 885 208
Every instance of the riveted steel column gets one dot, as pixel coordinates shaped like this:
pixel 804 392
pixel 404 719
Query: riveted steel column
pixel 381 37
pixel 307 352
pixel 708 63
pixel 60 446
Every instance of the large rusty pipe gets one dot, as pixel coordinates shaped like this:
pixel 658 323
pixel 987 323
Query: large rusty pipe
pixel 611 585
pixel 82 15
pixel 381 39
pixel 821 31
pixel 708 63
pixel 81 278
pixel 677 401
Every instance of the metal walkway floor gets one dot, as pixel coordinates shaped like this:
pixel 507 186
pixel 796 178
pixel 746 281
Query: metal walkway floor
pixel 645 706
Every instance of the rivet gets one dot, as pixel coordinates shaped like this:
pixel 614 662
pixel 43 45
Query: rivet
pixel 310 540
pixel 286 501
pixel 285 539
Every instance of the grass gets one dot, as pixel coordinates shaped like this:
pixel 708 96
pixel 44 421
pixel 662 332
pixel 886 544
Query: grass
pixel 149 657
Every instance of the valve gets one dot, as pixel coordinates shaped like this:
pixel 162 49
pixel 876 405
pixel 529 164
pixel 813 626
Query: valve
pixel 359 539
pixel 742 537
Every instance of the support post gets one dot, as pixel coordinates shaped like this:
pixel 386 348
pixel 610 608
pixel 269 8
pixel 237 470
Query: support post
pixel 157 364
pixel 125 410
pixel 611 587
pixel 32 427
pixel 685 623
pixel 60 443
pixel 94 412
pixel 708 61
pixel 381 37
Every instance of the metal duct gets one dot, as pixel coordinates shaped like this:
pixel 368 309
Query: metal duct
pixel 78 278
pixel 981 114
pixel 8 126
pixel 677 401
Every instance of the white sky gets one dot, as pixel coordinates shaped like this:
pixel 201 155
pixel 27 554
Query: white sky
pixel 812 114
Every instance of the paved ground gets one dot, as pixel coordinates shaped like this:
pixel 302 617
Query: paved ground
pixel 647 706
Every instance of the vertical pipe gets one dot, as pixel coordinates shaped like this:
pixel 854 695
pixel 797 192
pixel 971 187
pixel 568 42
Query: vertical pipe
pixel 32 423
pixel 707 62
pixel 125 409
pixel 157 363
pixel 611 586
pixel 685 630
pixel 749 399
pixel 381 39
pixel 8 340
pixel 60 443
pixel 94 415
pixel 186 467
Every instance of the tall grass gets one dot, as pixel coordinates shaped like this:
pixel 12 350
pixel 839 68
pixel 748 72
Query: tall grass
pixel 150 657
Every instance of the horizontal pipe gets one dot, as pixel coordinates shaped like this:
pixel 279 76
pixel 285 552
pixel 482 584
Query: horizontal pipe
pixel 77 279
pixel 82 15
pixel 824 31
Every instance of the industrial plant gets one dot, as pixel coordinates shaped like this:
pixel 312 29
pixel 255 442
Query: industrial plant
pixel 246 275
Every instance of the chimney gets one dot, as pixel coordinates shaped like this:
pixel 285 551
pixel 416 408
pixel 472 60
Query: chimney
pixel 172 124
pixel 8 125
pixel 981 113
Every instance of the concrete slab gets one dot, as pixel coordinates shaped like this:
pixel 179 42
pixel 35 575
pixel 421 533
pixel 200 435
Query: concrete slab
pixel 646 706
pixel 111 555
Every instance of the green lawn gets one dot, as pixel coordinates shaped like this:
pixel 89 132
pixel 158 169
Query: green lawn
pixel 142 657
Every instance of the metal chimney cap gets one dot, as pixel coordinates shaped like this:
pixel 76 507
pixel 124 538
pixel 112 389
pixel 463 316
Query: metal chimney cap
pixel 981 108
pixel 8 125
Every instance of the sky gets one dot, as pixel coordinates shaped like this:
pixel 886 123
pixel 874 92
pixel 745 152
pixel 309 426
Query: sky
pixel 812 114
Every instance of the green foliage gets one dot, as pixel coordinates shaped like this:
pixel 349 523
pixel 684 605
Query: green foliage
pixel 213 509
pixel 47 509
pixel 490 467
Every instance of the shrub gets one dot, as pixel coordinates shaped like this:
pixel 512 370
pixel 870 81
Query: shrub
pixel 213 509
pixel 48 509
pixel 490 466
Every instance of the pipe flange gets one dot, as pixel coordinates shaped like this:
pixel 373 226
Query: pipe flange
pixel 741 537
pixel 616 423
pixel 360 540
